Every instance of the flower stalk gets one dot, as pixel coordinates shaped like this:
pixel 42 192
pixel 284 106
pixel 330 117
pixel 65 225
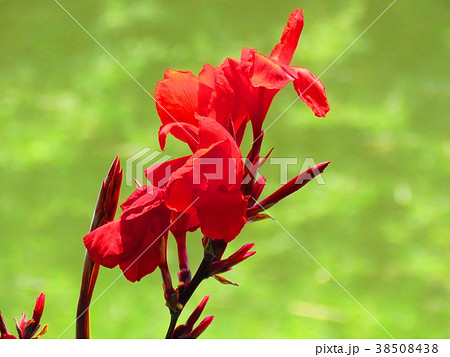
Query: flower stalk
pixel 210 190
pixel 105 211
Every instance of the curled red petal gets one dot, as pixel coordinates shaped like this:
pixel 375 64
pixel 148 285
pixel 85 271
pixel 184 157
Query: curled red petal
pixel 268 73
pixel 240 82
pixel 226 105
pixel 177 97
pixel 187 133
pixel 284 50
pixel 312 91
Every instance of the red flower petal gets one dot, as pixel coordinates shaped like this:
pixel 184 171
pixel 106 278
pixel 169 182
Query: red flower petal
pixel 240 82
pixel 211 132
pixel 207 76
pixel 108 246
pixel 222 214
pixel 219 165
pixel 142 200
pixel 180 190
pixel 226 106
pixel 265 72
pixel 177 97
pixel 207 84
pixel 187 133
pixel 284 50
pixel 146 229
pixel 145 260
pixel 115 242
pixel 311 91
pixel 137 193
pixel 210 182
pixel 256 79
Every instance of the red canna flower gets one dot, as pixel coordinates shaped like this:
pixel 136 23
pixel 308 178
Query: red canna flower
pixel 137 240
pixel 258 78
pixel 210 189
pixel 133 241
pixel 237 90
pixel 27 329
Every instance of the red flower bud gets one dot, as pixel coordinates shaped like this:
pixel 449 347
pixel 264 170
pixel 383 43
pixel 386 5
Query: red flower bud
pixel 227 264
pixel 197 312
pixel 104 212
pixel 26 329
pixel 187 330
pixel 4 333
pixel 108 197
pixel 201 327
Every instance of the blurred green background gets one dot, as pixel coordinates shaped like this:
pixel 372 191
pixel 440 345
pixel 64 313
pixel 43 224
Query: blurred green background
pixel 380 225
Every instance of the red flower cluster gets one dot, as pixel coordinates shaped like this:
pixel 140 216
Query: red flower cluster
pixel 26 329
pixel 211 189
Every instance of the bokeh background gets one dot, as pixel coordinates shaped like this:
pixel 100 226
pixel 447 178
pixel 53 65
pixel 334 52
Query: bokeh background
pixel 380 225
